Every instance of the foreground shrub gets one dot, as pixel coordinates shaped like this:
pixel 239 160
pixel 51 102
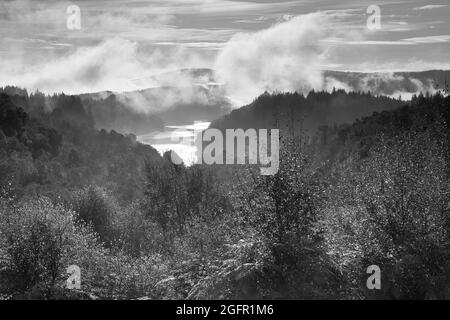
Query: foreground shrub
pixel 39 240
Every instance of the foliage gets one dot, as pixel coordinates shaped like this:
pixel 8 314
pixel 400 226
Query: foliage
pixel 374 190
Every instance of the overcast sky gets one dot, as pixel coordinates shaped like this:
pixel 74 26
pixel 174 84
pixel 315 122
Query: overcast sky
pixel 138 38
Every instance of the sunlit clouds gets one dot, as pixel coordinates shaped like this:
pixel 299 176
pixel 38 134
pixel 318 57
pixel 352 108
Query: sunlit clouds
pixel 256 45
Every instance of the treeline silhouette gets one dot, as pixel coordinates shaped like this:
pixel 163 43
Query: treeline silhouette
pixel 374 191
pixel 295 111
pixel 103 110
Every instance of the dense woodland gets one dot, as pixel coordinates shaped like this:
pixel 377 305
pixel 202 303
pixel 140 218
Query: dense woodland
pixel 363 180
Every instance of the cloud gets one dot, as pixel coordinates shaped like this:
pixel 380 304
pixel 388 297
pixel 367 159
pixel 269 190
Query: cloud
pixel 408 65
pixel 431 6
pixel 110 65
pixel 207 45
pixel 122 66
pixel 379 42
pixel 400 42
pixel 429 39
pixel 333 83
pixel 287 56
pixel 124 43
pixel 87 69
pixel 380 83
pixel 259 19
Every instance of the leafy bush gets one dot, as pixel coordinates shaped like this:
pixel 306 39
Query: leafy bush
pixel 94 207
pixel 38 240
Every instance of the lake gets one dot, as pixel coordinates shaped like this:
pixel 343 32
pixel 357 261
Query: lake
pixel 176 138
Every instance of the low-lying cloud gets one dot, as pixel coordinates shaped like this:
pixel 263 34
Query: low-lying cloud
pixel 286 56
pixel 115 65
pixel 396 85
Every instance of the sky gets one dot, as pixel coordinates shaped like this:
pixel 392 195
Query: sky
pixel 253 43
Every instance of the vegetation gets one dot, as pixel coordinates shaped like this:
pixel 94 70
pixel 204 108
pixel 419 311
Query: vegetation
pixel 357 192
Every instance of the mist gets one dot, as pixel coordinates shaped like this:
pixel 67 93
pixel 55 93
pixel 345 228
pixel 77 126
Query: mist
pixel 287 56
pixel 284 57
pixel 397 85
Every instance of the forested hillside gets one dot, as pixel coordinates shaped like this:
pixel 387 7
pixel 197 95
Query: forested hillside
pixel 388 83
pixel 297 114
pixel 54 152
pixel 103 111
pixel 355 193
